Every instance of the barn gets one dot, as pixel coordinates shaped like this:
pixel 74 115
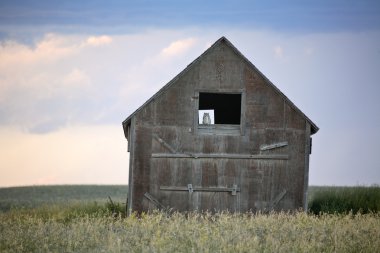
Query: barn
pixel 219 136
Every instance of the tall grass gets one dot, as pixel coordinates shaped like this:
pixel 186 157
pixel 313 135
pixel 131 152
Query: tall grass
pixel 194 232
pixel 359 199
pixel 67 221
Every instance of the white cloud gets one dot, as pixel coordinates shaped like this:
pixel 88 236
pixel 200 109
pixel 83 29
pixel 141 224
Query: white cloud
pixel 50 49
pixel 98 40
pixel 65 79
pixel 49 82
pixel 178 47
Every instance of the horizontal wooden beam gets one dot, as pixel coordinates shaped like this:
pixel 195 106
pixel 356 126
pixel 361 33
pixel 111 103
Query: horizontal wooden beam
pixel 190 189
pixel 222 156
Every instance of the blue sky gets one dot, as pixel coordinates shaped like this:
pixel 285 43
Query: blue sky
pixel 127 16
pixel 71 71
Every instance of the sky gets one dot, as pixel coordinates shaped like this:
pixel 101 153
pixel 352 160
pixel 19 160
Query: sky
pixel 72 71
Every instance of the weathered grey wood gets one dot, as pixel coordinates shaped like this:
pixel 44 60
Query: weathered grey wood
pixel 220 129
pixel 263 155
pixel 306 173
pixel 131 166
pixel 273 146
pixel 221 90
pixel 234 190
pixel 270 205
pixel 243 112
pixel 191 189
pixel 128 136
pixel 222 156
pixel 165 144
pixel 154 201
pixel 277 199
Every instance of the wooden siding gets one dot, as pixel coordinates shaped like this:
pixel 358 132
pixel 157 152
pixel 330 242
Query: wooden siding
pixel 170 152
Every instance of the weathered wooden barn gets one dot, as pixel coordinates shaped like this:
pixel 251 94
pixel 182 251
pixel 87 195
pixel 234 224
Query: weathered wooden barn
pixel 219 136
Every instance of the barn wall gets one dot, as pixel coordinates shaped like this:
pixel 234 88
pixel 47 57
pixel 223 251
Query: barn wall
pixel 166 126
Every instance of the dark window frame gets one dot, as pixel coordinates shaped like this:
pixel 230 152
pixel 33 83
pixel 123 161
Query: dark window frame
pixel 220 129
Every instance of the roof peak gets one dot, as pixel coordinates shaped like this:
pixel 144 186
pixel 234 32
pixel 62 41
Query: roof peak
pixel 314 127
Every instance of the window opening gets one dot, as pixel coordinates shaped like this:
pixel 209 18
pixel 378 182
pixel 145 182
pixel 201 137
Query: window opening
pixel 219 108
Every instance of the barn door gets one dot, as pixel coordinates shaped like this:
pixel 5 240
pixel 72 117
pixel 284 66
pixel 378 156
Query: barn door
pixel 194 184
pixel 186 182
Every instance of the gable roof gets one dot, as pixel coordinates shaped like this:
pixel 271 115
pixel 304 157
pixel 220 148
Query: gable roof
pixel 223 39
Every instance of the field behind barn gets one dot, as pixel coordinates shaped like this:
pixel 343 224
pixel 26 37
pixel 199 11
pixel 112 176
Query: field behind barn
pixel 85 219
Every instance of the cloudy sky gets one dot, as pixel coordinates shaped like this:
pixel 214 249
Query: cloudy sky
pixel 72 71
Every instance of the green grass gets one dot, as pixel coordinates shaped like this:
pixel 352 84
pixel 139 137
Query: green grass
pixel 321 198
pixel 358 199
pixel 36 196
pixel 81 219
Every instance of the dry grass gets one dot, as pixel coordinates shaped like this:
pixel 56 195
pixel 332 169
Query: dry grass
pixel 276 232
pixel 79 219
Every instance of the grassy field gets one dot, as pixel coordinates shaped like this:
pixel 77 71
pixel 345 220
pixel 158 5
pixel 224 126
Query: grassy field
pixel 334 199
pixel 79 219
pixel 36 196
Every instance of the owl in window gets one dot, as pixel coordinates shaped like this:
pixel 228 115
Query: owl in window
pixel 206 119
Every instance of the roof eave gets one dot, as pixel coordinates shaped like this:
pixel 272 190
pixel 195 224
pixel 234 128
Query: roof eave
pixel 314 128
pixel 125 124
